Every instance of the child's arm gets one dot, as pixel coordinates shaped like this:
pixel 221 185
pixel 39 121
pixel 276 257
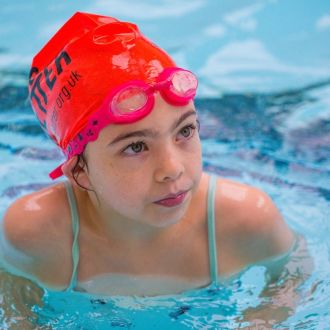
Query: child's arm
pixel 249 226
pixel 252 230
pixel 19 297
pixel 30 244
pixel 21 251
pixel 281 296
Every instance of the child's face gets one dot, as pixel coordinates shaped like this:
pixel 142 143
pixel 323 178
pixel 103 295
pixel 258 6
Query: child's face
pixel 131 171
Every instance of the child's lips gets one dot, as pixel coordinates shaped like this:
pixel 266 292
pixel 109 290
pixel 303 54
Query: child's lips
pixel 172 199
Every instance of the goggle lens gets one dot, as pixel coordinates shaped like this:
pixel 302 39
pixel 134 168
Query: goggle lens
pixel 184 83
pixel 129 100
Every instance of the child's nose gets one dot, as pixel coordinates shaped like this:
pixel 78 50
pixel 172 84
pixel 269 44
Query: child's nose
pixel 169 165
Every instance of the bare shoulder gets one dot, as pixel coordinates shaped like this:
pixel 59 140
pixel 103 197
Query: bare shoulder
pixel 34 227
pixel 34 217
pixel 249 224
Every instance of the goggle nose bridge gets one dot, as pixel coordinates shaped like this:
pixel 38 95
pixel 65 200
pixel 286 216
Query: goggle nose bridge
pixel 158 86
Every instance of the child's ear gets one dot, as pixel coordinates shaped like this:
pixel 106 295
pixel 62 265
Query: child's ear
pixel 76 172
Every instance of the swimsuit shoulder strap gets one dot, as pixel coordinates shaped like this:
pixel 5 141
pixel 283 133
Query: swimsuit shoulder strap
pixel 75 230
pixel 211 229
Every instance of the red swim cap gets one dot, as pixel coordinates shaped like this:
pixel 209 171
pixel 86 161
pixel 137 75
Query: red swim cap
pixel 74 71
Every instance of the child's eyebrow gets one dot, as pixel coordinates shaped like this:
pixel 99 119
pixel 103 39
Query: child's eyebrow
pixel 150 132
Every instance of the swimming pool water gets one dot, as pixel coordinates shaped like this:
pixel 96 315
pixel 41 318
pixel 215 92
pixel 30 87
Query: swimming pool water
pixel 267 127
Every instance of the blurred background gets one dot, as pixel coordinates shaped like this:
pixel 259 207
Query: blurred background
pixel 233 46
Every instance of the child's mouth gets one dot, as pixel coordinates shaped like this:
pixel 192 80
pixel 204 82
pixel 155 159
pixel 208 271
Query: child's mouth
pixel 172 201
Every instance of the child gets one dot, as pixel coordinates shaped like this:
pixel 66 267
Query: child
pixel 136 214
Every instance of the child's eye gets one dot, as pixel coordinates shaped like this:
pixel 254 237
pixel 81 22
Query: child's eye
pixel 135 148
pixel 188 131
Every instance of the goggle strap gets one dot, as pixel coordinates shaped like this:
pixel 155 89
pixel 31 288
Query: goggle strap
pixel 57 172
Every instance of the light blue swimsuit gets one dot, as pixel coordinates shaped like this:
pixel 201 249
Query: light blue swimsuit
pixel 210 224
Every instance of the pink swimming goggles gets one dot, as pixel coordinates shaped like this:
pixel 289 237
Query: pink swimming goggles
pixel 131 102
